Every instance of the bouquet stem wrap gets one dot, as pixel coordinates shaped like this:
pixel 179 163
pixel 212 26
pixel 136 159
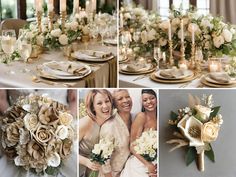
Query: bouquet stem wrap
pixel 94 174
pixel 201 164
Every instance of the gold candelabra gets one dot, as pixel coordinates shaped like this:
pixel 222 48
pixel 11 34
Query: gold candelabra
pixel 182 50
pixel 63 20
pixel 50 19
pixel 39 20
pixel 192 60
pixel 171 59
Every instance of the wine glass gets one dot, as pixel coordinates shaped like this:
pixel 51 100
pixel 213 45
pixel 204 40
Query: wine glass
pixel 8 41
pixel 24 47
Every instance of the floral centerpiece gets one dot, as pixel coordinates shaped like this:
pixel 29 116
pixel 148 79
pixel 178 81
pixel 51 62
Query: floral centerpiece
pixel 102 152
pixel 146 145
pixel 196 127
pixel 37 134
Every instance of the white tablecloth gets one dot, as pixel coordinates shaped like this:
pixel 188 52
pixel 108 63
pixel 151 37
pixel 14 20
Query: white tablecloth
pixel 15 74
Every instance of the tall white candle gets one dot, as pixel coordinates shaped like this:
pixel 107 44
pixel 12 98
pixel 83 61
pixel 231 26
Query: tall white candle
pixel 50 5
pixel 121 21
pixel 94 5
pixel 39 5
pixel 87 6
pixel 193 34
pixel 76 6
pixel 169 30
pixel 182 30
pixel 62 5
pixel 164 57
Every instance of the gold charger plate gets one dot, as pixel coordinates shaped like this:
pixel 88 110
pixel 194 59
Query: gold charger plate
pixel 187 79
pixel 153 68
pixel 209 84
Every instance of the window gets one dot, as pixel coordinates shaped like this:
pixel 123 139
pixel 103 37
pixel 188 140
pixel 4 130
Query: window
pixel 8 9
pixel 163 6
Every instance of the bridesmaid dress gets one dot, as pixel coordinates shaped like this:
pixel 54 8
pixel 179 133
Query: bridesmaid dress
pixel 86 146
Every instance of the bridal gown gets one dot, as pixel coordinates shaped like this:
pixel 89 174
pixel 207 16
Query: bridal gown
pixel 69 168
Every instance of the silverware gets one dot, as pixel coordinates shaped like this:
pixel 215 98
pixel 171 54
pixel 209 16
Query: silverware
pixel 39 80
pixel 141 77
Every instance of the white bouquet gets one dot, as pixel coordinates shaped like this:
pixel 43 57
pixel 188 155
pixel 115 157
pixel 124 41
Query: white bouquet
pixel 146 145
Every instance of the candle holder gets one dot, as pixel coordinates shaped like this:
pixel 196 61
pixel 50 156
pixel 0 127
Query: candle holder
pixel 171 59
pixel 63 20
pixel 192 60
pixel 50 19
pixel 182 50
pixel 39 20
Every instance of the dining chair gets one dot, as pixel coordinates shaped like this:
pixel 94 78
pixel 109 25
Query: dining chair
pixel 15 24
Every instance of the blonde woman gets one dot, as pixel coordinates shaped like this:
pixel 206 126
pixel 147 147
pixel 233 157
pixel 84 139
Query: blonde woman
pixel 136 165
pixel 119 128
pixel 99 106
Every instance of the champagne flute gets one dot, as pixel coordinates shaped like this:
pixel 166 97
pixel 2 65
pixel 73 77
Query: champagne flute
pixel 8 42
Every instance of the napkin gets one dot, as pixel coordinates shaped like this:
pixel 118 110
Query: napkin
pixel 134 67
pixel 89 54
pixel 66 68
pixel 220 77
pixel 172 73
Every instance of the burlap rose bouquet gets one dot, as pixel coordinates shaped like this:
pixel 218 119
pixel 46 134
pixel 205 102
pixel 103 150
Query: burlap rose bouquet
pixel 196 127
pixel 37 134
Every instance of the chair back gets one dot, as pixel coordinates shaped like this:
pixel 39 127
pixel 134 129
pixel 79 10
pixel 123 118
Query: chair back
pixel 15 24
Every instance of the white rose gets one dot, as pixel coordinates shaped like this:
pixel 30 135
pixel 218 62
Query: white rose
pixel 175 22
pixel 54 160
pixel 65 118
pixel 136 49
pixel 63 39
pixel 56 32
pixel 164 25
pixel 96 149
pixel 218 41
pixel 227 35
pixel 185 21
pixel 31 121
pixel 62 132
pixel 162 41
pixel 192 27
pixel 29 35
pixel 74 25
pixel 205 23
pixel 127 16
pixel 151 34
pixel 32 27
pixel 144 37
pixel 203 112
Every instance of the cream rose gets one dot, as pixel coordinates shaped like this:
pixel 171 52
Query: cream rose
pixel 162 41
pixel 144 37
pixel 39 40
pixel 31 122
pixel 192 27
pixel 175 22
pixel 203 112
pixel 63 39
pixel 227 35
pixel 54 160
pixel 164 25
pixel 62 132
pixel 218 41
pixel 66 147
pixel 127 16
pixel 210 131
pixel 56 32
pixel 151 34
pixel 65 118
pixel 43 134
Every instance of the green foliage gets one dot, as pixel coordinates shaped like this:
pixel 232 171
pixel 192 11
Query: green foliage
pixel 215 111
pixel 210 154
pixel 148 158
pixel 173 115
pixel 191 155
pixel 98 158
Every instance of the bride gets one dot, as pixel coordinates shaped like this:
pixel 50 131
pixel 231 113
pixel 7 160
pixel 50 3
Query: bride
pixel 136 165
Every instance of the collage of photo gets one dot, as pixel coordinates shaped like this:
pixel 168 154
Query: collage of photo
pixel 117 88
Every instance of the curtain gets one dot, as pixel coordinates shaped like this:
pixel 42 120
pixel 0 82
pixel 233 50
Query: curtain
pixel 225 8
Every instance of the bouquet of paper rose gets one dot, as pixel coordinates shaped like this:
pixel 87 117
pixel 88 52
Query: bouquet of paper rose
pixel 37 134
pixel 146 145
pixel 196 127
pixel 102 152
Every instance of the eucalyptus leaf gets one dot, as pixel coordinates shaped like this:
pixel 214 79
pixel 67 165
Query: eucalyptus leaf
pixel 215 111
pixel 173 115
pixel 210 154
pixel 191 155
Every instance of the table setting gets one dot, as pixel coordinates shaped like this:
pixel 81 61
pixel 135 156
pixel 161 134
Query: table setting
pixel 188 50
pixel 72 51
